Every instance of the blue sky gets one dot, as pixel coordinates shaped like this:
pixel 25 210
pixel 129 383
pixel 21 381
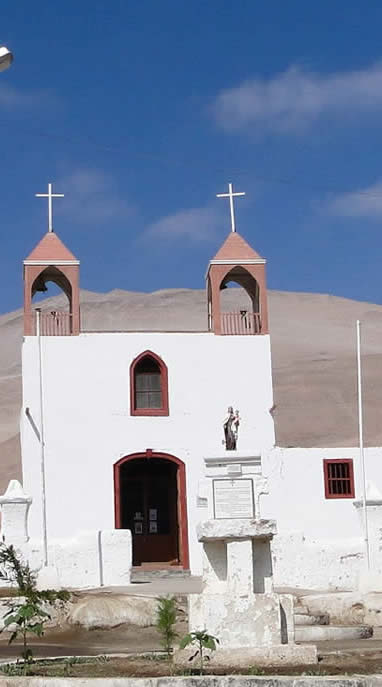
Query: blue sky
pixel 141 111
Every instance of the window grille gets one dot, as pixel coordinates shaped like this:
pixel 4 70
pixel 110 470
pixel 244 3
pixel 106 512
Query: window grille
pixel 339 479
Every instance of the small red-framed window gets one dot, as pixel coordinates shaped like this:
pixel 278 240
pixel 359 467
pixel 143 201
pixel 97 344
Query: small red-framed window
pixel 339 478
pixel 148 385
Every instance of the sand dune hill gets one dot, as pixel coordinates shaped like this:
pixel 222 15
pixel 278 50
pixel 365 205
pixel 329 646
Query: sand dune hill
pixel 313 353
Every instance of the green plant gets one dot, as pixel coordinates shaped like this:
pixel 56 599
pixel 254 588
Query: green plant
pixel 11 669
pixel 26 610
pixel 202 640
pixel 255 670
pixel 165 622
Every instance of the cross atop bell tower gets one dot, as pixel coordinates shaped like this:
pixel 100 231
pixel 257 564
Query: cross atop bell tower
pixel 231 195
pixel 50 195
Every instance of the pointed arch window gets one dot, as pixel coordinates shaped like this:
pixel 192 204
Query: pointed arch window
pixel 148 385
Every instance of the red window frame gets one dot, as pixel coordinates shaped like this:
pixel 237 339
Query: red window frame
pixel 350 494
pixel 164 410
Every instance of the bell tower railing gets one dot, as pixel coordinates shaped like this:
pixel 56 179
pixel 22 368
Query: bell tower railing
pixel 54 323
pixel 241 322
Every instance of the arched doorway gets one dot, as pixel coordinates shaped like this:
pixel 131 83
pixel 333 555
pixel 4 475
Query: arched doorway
pixel 150 500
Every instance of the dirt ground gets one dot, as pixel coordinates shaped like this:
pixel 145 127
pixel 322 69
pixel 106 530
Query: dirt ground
pixel 362 657
pixel 76 641
pixel 158 666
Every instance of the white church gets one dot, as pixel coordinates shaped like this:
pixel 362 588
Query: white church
pixel 131 438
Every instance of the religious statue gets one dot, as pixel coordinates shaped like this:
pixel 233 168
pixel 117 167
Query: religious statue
pixel 231 429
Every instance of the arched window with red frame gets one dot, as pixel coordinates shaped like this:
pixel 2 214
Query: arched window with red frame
pixel 148 385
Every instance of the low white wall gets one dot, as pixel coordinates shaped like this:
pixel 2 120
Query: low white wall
pixel 90 559
pixel 321 564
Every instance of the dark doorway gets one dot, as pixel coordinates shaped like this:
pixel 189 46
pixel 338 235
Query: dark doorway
pixel 148 505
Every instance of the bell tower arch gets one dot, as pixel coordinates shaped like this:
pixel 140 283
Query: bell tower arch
pixel 237 262
pixel 51 261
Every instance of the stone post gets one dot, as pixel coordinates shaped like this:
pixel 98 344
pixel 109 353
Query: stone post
pixel 15 505
pixel 371 579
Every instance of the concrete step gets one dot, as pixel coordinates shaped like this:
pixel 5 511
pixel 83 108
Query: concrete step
pixel 301 609
pixel 142 575
pixel 308 619
pixel 327 633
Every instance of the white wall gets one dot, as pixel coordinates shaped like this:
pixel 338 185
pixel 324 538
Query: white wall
pixel 297 495
pixel 88 425
pixel 321 542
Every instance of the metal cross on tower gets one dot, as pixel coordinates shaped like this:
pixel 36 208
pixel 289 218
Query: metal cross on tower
pixel 231 195
pixel 50 195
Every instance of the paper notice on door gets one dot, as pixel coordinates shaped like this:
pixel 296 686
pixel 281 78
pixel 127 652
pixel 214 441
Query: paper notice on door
pixel 153 514
pixel 153 529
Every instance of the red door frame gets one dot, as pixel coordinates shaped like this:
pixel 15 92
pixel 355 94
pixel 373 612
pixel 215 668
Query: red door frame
pixel 182 498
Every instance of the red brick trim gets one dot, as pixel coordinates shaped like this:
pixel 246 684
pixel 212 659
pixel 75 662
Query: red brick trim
pixel 150 412
pixel 182 498
pixel 350 494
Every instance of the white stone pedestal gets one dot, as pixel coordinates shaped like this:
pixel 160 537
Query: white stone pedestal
pixel 238 604
pixel 15 505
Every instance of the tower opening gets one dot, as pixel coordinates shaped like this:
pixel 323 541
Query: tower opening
pixel 240 303
pixel 55 318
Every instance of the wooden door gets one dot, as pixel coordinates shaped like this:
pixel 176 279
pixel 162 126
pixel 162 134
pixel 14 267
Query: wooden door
pixel 149 508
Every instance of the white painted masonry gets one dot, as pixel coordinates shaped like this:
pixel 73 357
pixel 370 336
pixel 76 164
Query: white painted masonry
pixel 88 426
pixel 320 544
pixel 89 559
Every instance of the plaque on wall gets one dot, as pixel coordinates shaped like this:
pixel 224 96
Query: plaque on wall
pixel 233 498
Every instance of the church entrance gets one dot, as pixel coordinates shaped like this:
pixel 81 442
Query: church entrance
pixel 150 501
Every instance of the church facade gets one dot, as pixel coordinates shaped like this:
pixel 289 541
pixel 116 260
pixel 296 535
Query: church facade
pixel 129 417
pixel 152 432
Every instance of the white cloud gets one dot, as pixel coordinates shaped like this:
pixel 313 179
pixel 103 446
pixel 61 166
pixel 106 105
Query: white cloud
pixel 366 202
pixel 295 98
pixel 196 224
pixel 13 98
pixel 90 197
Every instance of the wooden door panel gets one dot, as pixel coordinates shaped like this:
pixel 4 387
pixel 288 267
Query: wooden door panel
pixel 148 503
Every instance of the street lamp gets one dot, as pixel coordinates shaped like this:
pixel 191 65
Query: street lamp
pixel 6 58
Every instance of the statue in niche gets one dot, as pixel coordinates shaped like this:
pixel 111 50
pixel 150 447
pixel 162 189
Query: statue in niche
pixel 231 429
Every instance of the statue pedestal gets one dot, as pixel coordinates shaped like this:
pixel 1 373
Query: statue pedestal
pixel 238 604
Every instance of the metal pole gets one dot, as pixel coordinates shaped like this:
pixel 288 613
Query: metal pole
pixel 42 441
pixel 361 448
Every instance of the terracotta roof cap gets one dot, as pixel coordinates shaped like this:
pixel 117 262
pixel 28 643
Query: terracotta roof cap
pixel 236 248
pixel 51 248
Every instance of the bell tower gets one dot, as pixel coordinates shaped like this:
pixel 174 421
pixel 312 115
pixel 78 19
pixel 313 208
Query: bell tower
pixel 51 261
pixel 237 262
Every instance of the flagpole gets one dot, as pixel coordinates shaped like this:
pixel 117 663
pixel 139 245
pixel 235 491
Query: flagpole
pixel 361 446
